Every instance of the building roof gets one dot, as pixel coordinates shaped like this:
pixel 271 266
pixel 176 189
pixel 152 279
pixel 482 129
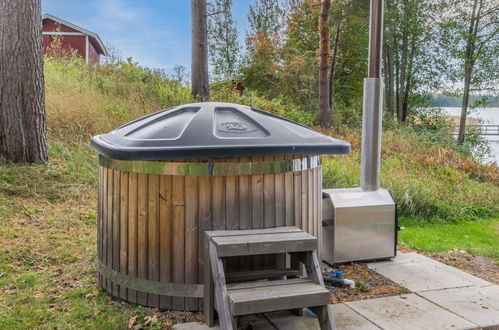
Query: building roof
pixel 91 34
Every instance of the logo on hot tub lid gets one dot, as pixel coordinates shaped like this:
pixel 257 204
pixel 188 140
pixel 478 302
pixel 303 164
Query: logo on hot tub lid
pixel 235 127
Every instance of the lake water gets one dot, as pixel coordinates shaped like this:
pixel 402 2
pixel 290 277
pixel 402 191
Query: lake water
pixel 488 116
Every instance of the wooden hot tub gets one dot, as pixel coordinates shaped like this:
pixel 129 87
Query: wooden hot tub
pixel 153 210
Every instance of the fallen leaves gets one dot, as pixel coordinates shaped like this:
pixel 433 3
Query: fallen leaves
pixel 168 323
pixel 132 321
pixel 39 296
pixel 95 292
pixel 148 321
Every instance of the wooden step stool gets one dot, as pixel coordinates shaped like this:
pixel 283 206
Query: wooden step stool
pixel 262 291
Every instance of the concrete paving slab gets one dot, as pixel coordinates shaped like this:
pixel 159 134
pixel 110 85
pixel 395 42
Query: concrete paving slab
pixel 247 321
pixel 408 312
pixel 286 321
pixel 256 322
pixel 194 326
pixel 402 258
pixel 345 318
pixel 424 274
pixel 348 319
pixel 479 305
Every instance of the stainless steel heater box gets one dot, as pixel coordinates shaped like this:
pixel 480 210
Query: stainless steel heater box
pixel 358 225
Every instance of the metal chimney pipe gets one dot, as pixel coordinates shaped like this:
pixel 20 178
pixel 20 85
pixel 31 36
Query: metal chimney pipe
pixel 372 104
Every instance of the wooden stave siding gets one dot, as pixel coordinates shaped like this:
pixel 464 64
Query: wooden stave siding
pixel 135 208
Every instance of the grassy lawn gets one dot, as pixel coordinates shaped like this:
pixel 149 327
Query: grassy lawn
pixel 48 254
pixel 479 237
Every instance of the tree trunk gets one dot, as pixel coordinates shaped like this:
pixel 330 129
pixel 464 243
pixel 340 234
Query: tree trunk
pixel 389 86
pixel 464 105
pixel 408 81
pixel 200 85
pixel 402 111
pixel 23 133
pixel 332 73
pixel 396 81
pixel 324 116
pixel 468 69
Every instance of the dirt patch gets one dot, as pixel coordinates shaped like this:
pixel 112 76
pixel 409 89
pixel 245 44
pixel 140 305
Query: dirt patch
pixel 481 267
pixel 405 249
pixel 369 284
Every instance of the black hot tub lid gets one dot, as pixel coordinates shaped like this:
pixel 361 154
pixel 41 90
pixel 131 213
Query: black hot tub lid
pixel 212 129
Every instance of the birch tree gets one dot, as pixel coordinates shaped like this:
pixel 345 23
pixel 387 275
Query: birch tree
pixel 470 35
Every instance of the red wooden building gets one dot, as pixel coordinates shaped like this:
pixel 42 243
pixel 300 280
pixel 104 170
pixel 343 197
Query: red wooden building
pixel 86 43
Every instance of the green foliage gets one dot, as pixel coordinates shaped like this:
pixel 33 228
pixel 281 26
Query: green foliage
pixel 299 56
pixel 477 46
pixel 347 117
pixel 265 17
pixel 438 130
pixel 222 38
pixel 282 62
pixel 476 145
pixel 350 19
pixel 260 71
pixel 225 92
pixel 432 123
pixel 412 60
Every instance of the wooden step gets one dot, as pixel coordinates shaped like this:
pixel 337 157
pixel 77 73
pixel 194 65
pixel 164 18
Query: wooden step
pixel 260 274
pixel 262 243
pixel 277 297
pixel 275 230
pixel 261 284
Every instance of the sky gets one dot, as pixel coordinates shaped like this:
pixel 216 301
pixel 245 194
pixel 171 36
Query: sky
pixel 155 33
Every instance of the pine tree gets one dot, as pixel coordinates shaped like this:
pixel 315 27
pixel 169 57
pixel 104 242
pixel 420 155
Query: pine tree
pixel 23 133
pixel 200 84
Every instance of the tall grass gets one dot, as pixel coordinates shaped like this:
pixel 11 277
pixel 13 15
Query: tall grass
pixel 83 101
pixel 429 177
pixel 428 181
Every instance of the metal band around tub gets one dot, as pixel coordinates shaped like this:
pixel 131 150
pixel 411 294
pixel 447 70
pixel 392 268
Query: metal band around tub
pixel 149 286
pixel 212 169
